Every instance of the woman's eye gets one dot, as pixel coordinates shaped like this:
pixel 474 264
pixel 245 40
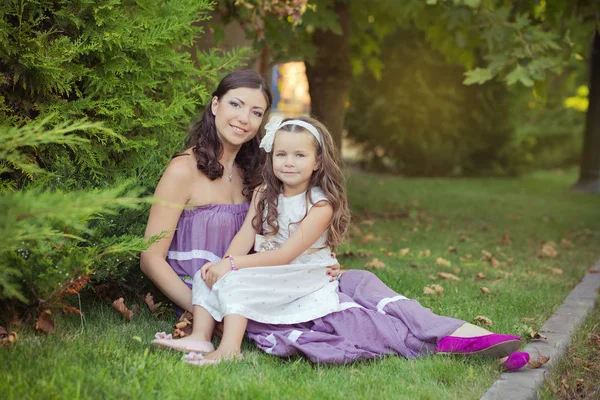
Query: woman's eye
pixel 234 104
pixel 258 114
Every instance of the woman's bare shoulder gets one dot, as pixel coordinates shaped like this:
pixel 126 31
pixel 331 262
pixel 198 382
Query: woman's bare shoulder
pixel 183 167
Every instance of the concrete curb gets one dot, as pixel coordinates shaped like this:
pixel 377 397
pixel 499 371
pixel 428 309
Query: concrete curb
pixel 559 329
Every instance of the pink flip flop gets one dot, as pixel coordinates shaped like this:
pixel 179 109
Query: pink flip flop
pixel 516 361
pixel 197 346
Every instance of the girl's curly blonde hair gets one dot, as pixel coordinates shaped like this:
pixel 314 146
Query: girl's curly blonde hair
pixel 328 177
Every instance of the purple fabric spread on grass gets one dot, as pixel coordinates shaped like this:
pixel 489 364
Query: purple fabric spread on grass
pixel 378 321
pixel 385 323
pixel 203 234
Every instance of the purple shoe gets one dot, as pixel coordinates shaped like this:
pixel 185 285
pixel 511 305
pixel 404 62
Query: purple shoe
pixel 516 361
pixel 494 345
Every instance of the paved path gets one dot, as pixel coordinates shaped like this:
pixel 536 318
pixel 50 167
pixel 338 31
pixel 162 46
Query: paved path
pixel 559 329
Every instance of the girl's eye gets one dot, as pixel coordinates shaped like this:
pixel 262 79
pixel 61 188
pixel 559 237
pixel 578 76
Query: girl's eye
pixel 279 154
pixel 300 155
pixel 258 114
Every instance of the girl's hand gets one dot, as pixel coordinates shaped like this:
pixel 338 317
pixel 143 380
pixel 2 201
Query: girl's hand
pixel 217 271
pixel 334 270
pixel 205 268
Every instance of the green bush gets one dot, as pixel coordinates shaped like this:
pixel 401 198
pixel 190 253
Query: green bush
pixel 420 120
pixel 126 64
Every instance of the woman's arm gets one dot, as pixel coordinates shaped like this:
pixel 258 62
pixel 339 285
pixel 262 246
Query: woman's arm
pixel 244 240
pixel 173 193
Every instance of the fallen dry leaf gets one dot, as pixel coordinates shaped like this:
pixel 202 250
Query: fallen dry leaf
pixel 488 257
pixel 548 251
pixel 541 360
pixel 71 309
pixel 443 262
pixel 567 244
pixel 182 324
pixel 432 277
pixel 452 249
pixel 485 290
pixel 456 270
pixel 119 305
pixel 375 264
pixel 480 276
pixel 7 338
pixel 445 275
pixel 44 322
pixel 78 284
pixel 536 335
pixel 505 239
pixel 556 271
pixel 369 237
pixel 149 300
pixel 403 252
pixel 425 253
pixel 433 289
pixel 482 320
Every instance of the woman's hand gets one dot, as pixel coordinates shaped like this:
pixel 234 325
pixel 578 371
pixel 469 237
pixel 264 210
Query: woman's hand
pixel 205 268
pixel 334 270
pixel 216 271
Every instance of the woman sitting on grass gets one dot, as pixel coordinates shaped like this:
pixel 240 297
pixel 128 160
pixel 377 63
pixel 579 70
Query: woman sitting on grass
pixel 373 319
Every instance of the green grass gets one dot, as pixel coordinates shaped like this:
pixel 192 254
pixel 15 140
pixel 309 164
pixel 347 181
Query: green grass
pixel 111 358
pixel 577 376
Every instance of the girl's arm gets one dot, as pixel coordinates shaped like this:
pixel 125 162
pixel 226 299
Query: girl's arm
pixel 309 230
pixel 172 193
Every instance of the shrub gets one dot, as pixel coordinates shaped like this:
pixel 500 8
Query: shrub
pixel 70 191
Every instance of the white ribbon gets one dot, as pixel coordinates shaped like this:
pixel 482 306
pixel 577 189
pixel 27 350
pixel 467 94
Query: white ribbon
pixel 275 123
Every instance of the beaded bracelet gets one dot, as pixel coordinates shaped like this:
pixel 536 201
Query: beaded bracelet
pixel 232 262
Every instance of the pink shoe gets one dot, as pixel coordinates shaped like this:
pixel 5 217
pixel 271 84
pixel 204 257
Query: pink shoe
pixel 516 361
pixel 494 345
pixel 167 341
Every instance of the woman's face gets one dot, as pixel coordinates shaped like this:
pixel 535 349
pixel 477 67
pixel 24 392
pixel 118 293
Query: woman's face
pixel 238 115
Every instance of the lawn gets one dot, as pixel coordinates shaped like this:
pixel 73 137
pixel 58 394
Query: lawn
pixel 485 232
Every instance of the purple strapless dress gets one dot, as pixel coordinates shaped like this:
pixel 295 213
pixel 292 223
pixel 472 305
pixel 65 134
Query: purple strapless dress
pixel 374 321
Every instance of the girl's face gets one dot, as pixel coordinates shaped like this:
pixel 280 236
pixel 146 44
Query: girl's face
pixel 294 160
pixel 238 115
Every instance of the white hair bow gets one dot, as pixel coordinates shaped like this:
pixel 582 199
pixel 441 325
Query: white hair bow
pixel 275 123
pixel 270 129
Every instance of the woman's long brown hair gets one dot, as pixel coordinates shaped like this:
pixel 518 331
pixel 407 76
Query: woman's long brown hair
pixel 328 176
pixel 207 147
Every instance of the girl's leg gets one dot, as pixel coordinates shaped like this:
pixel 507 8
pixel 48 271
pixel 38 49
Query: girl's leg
pixel 230 347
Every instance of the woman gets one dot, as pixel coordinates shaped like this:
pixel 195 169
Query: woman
pixel 212 181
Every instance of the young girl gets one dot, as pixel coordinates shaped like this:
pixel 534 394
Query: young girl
pixel 303 212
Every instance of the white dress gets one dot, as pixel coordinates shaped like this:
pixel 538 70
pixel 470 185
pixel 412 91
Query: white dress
pixel 284 294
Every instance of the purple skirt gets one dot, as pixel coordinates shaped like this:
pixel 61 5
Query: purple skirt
pixel 376 322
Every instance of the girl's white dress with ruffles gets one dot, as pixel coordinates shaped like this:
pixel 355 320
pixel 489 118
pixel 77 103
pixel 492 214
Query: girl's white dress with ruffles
pixel 284 294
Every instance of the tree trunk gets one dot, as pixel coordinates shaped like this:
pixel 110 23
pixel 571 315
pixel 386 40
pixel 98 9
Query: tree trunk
pixel 330 74
pixel 589 174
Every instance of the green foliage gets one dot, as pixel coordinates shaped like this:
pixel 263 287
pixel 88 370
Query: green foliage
pixel 72 192
pixel 45 232
pixel 420 120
